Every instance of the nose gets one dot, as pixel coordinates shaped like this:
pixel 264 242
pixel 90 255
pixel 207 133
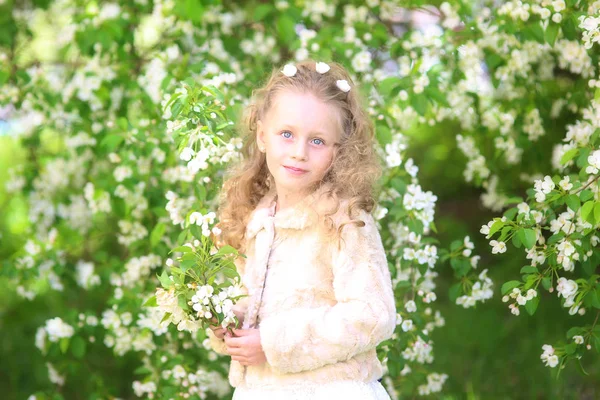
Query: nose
pixel 299 151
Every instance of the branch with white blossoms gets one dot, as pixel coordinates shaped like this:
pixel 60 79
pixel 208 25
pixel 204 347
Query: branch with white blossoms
pixel 204 285
pixel 557 228
pixel 579 341
pixel 473 287
pixel 199 124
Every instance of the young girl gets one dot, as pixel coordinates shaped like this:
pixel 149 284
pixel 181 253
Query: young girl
pixel 320 296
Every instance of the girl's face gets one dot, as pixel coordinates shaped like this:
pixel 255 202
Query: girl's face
pixel 298 134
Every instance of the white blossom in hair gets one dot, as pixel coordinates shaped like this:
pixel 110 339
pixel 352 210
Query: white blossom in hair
pixel 289 70
pixel 322 67
pixel 343 85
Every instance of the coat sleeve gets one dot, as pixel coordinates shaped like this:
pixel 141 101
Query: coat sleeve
pixel 364 315
pixel 218 345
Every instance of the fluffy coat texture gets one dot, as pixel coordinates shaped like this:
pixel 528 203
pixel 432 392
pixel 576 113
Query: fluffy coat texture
pixel 326 303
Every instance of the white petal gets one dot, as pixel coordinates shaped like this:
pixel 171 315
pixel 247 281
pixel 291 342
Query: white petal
pixel 321 67
pixel 289 70
pixel 343 85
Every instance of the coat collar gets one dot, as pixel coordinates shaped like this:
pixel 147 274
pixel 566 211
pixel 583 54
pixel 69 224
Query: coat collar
pixel 300 216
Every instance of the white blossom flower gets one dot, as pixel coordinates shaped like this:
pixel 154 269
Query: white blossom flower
pixel 497 247
pixel 566 287
pixel 594 161
pixel 289 70
pixel 548 356
pixel 57 329
pixel 410 306
pixel 187 154
pixel 322 67
pixel 343 85
pixel 565 184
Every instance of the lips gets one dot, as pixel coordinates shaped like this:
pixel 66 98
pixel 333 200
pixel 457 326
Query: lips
pixel 294 169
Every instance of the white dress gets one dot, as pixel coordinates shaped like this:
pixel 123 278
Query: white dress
pixel 341 390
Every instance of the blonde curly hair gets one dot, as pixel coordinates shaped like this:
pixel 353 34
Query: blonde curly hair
pixel 354 170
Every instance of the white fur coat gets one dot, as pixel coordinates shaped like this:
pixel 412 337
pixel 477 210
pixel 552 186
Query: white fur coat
pixel 324 309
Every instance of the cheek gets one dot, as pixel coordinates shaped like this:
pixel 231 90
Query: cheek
pixel 325 159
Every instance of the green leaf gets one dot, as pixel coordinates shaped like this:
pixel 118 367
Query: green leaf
pixel 226 250
pixel 573 202
pixel 516 241
pixel 187 264
pixel 165 281
pixel 455 245
pixel 586 209
pixel 571 348
pixel 508 286
pixel 556 237
pixel 461 265
pixel 415 225
pixel 176 108
pixel 78 347
pixel 142 370
pixel 597 343
pixel 419 103
pixel 64 345
pixel 576 330
pixel 528 237
pixel 262 11
pixel 157 233
pixel 583 371
pixel 586 194
pixel 165 317
pixel 435 94
pixel 230 273
pixel 528 269
pixel 552 32
pixel 182 302
pixel 285 28
pixel 189 10
pixel 569 27
pixel 496 227
pixel 384 135
pixel 510 213
pixel 546 282
pixel 387 85
pixel 433 227
pixel 596 297
pixel 583 156
pixel 151 302
pixel 535 31
pixel 505 231
pixel 455 291
pixel 532 305
pixel 182 249
pixel 597 211
pixel 111 142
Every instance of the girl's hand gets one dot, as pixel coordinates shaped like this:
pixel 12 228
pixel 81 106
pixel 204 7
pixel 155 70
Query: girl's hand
pixel 245 347
pixel 218 330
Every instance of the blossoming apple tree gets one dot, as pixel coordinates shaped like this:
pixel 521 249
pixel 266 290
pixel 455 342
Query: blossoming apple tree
pixel 127 112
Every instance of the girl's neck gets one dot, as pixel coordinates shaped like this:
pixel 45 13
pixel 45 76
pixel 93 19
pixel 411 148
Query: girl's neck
pixel 283 202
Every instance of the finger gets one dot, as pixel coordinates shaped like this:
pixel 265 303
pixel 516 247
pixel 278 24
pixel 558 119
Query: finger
pixel 236 352
pixel 241 359
pixel 232 341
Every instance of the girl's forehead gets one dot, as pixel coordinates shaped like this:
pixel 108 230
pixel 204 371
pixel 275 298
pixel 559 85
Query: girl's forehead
pixel 304 110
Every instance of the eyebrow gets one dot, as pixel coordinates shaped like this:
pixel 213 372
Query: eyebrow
pixel 318 133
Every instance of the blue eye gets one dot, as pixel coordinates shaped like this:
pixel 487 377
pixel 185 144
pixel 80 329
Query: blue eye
pixel 320 142
pixel 284 134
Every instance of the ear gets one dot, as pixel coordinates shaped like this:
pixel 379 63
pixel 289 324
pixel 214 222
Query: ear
pixel 260 134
